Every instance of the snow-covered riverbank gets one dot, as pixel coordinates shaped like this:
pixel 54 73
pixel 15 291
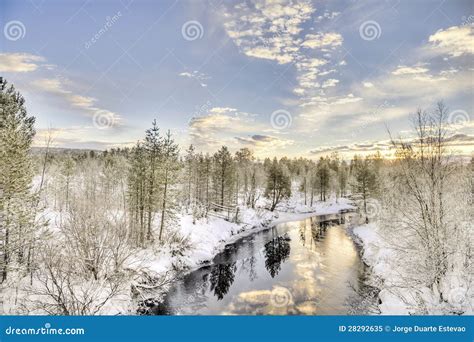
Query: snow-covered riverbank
pixel 455 290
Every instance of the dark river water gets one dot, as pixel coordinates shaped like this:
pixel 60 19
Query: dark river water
pixel 307 267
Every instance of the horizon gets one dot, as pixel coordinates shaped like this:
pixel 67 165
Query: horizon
pixel 301 80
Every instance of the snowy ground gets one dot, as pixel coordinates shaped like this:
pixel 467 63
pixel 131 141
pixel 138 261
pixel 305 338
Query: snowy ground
pixel 396 300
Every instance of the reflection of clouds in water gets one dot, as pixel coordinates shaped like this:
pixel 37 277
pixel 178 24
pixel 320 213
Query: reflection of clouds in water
pixel 264 302
pixel 261 302
pixel 307 308
pixel 312 280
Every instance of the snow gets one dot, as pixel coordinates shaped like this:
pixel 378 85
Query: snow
pixel 396 300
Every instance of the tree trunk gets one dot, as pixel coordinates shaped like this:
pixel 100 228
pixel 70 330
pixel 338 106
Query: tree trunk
pixel 163 209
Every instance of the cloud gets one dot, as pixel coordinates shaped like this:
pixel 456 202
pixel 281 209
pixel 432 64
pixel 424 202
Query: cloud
pixel 277 31
pixel 454 41
pixel 222 110
pixel 235 129
pixel 19 62
pixel 404 70
pixel 77 137
pixel 320 40
pixel 330 83
pixel 327 15
pixel 196 75
pixel 463 143
pixel 266 143
pixel 86 104
pixel 267 29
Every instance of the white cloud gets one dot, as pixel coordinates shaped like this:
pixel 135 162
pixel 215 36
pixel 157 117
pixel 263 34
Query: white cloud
pixel 268 29
pixel 87 104
pixel 235 129
pixel 196 75
pixel 19 62
pixel 273 30
pixel 405 70
pixel 327 15
pixel 454 41
pixel 319 40
pixel 330 83
pixel 460 143
pixel 222 110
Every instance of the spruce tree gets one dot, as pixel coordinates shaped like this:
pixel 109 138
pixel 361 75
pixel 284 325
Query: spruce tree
pixel 278 183
pixel 169 166
pixel 16 171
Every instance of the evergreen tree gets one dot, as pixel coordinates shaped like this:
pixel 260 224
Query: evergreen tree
pixel 137 192
pixel 169 165
pixel 16 201
pixel 154 150
pixel 323 178
pixel 365 181
pixel 189 161
pixel 278 183
pixel 244 159
pixel 223 175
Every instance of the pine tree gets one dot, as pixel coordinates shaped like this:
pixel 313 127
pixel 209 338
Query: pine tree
pixel 343 176
pixel 244 159
pixel 365 181
pixel 137 192
pixel 154 150
pixel 169 166
pixel 189 161
pixel 16 136
pixel 278 183
pixel 223 175
pixel 323 178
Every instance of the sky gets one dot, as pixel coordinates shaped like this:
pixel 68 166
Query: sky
pixel 295 78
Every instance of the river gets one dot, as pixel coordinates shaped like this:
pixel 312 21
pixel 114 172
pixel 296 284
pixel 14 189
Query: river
pixel 306 267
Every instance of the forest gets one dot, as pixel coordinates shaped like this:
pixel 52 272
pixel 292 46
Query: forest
pixel 103 232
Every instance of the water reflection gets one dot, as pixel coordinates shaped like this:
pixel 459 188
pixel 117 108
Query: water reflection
pixel 221 278
pixel 307 267
pixel 277 251
pixel 249 266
